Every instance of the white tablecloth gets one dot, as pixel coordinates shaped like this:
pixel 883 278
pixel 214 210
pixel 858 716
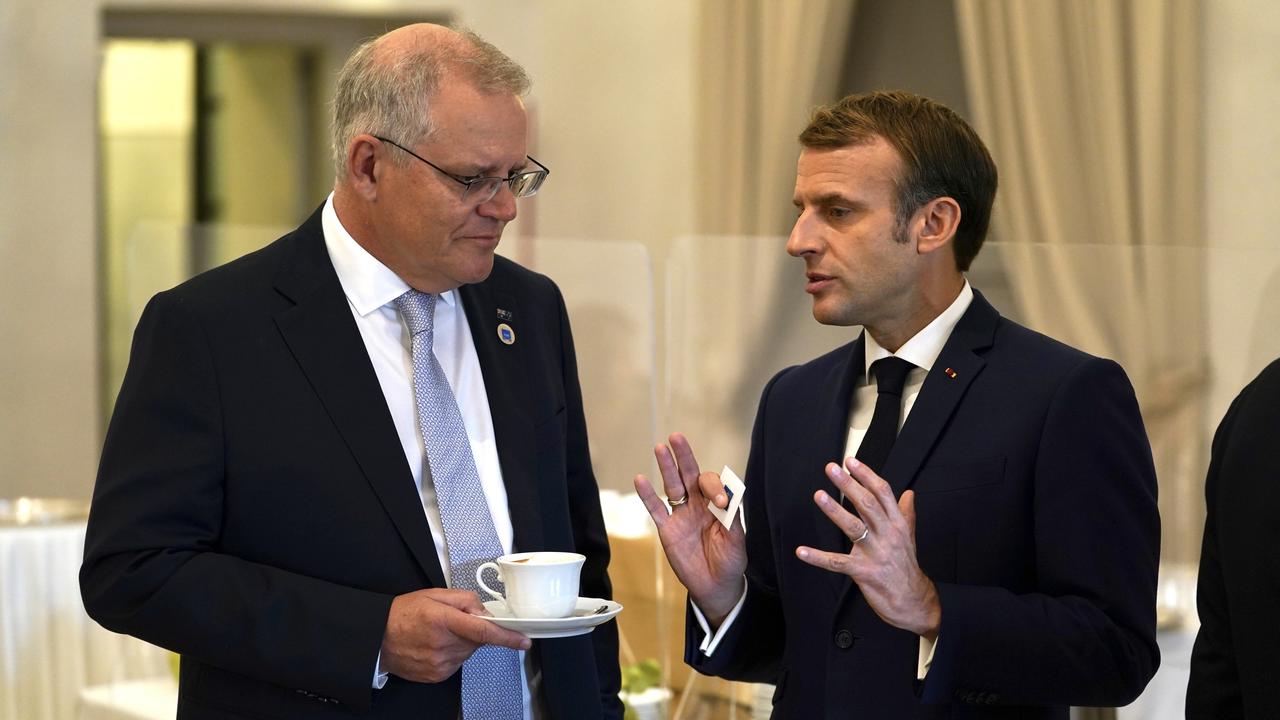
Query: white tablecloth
pixel 155 699
pixel 49 648
pixel 1166 695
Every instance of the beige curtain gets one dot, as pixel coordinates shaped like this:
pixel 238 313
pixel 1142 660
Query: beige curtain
pixel 763 65
pixel 1092 109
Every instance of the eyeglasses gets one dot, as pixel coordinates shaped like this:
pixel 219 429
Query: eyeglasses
pixel 481 189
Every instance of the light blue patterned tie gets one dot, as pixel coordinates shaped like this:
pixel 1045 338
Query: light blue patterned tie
pixel 491 676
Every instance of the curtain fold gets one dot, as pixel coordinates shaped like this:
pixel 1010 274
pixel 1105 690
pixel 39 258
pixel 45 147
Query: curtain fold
pixel 763 65
pixel 732 292
pixel 1092 110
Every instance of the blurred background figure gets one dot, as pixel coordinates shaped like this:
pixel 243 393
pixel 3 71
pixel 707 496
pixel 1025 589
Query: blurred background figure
pixel 1234 664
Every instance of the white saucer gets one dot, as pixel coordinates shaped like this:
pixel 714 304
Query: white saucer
pixel 580 622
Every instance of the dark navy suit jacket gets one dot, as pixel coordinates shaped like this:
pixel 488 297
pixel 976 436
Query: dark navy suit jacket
pixel 254 510
pixel 1036 519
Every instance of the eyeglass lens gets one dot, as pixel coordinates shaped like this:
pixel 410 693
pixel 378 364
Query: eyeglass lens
pixel 522 185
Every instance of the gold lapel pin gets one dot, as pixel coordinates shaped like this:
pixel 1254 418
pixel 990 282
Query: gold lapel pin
pixel 950 373
pixel 506 334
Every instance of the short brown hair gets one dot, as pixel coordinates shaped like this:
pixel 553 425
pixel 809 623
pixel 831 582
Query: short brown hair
pixel 941 155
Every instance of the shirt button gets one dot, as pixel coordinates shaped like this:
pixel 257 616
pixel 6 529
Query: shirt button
pixel 844 639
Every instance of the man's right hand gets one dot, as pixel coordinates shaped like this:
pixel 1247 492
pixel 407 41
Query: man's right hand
pixel 708 559
pixel 430 633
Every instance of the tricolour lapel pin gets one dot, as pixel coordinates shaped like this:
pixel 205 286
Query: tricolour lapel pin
pixel 506 334
pixel 950 373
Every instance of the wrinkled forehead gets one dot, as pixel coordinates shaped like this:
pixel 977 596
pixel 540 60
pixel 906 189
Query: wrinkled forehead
pixel 489 130
pixel 864 170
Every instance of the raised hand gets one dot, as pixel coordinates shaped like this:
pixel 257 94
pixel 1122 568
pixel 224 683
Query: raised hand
pixel 882 560
pixel 431 632
pixel 708 559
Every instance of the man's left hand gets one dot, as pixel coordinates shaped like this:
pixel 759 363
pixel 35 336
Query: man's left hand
pixel 882 560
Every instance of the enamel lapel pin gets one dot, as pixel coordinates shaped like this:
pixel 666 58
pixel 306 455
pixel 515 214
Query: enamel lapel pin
pixel 506 333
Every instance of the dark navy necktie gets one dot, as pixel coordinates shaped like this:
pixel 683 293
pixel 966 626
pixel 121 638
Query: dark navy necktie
pixel 890 374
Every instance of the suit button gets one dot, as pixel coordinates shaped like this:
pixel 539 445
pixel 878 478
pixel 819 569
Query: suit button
pixel 844 639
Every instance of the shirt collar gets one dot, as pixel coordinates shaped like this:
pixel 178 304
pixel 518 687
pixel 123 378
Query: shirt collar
pixel 923 348
pixel 368 283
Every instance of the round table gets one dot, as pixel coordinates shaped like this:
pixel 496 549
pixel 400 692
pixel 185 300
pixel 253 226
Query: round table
pixel 49 648
pixel 155 699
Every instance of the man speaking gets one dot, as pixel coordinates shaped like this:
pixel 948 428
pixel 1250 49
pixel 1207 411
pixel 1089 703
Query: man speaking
pixel 988 546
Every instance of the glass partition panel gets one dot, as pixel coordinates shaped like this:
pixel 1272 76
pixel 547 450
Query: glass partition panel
pixel 608 290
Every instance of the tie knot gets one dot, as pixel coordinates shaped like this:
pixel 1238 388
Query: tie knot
pixel 891 374
pixel 418 309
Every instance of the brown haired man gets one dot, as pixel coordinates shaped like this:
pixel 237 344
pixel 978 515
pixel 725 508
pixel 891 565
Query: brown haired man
pixel 988 547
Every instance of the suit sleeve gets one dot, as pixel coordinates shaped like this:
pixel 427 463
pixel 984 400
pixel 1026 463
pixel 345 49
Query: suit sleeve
pixel 152 567
pixel 589 534
pixel 1084 633
pixel 751 648
pixel 1214 687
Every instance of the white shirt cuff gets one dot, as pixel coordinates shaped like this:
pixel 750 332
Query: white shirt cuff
pixel 711 640
pixel 379 677
pixel 925 658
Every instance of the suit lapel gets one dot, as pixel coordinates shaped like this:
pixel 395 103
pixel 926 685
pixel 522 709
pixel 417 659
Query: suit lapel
pixel 324 339
pixel 505 380
pixel 941 393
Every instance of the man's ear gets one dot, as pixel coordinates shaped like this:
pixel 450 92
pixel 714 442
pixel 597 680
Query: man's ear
pixel 938 221
pixel 362 166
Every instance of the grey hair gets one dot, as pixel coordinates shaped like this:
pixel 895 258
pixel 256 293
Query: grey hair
pixel 390 95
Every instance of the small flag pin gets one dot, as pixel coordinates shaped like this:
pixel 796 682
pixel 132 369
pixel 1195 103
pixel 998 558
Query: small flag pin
pixel 505 314
pixel 950 373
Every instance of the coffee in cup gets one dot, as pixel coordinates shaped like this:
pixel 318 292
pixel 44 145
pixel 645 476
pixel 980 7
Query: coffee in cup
pixel 539 584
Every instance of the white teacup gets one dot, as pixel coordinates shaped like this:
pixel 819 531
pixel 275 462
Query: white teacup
pixel 539 584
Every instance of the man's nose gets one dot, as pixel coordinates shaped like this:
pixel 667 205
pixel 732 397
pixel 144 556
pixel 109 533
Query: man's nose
pixel 804 238
pixel 502 206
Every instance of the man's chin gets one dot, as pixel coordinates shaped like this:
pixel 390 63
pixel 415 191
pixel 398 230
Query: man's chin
pixel 479 270
pixel 825 314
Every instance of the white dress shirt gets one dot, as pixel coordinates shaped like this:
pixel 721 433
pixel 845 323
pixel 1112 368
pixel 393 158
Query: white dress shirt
pixel 921 350
pixel 371 289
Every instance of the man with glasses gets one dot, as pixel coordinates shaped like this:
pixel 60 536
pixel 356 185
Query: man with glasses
pixel 316 445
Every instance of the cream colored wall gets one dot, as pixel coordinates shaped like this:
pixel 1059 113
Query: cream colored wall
pixel 49 428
